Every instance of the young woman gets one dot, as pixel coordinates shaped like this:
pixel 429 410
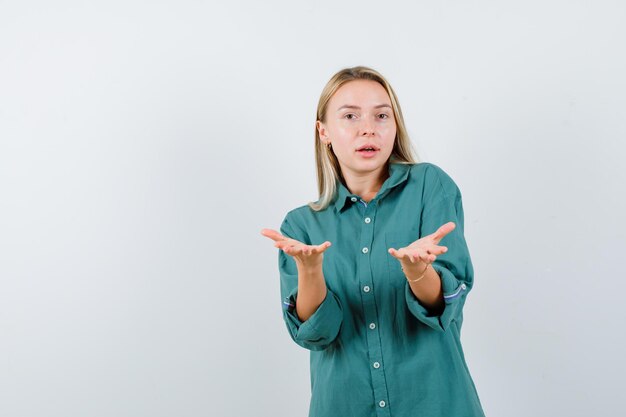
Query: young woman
pixel 381 309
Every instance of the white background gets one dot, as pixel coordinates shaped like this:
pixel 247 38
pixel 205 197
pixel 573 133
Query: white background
pixel 144 144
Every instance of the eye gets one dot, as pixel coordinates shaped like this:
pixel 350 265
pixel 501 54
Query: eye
pixel 350 116
pixel 383 116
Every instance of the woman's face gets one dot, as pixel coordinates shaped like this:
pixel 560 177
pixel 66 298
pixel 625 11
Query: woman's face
pixel 361 127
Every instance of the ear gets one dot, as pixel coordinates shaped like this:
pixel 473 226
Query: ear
pixel 323 132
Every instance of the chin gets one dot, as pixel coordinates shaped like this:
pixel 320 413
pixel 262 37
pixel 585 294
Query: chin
pixel 369 166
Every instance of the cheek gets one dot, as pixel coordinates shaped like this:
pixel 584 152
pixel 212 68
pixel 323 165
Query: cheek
pixel 388 133
pixel 343 135
pixel 338 130
pixel 346 129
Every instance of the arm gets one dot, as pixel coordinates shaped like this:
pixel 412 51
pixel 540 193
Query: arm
pixel 427 289
pixel 311 290
pixel 455 266
pixel 311 311
pixel 417 259
pixel 438 297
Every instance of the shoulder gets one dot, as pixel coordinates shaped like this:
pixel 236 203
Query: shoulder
pixel 299 213
pixel 428 171
pixel 296 221
pixel 433 178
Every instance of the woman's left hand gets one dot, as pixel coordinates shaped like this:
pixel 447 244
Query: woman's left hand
pixel 422 251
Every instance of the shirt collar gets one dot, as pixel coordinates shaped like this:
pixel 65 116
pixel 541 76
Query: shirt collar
pixel 398 173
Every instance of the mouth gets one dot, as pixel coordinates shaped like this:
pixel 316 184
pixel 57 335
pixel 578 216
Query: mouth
pixel 368 150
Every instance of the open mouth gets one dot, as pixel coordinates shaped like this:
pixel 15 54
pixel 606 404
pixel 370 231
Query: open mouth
pixel 367 150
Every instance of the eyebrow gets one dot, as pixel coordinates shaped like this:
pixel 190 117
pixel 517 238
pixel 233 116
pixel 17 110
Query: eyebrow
pixel 351 106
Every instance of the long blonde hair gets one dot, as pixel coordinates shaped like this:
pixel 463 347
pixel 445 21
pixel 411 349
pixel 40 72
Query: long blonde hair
pixel 328 169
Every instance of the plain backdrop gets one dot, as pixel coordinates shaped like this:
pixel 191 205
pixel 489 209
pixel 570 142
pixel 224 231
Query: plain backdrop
pixel 144 144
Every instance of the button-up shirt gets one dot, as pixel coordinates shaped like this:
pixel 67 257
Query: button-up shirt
pixel 375 350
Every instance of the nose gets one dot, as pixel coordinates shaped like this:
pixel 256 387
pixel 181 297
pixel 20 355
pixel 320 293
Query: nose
pixel 367 127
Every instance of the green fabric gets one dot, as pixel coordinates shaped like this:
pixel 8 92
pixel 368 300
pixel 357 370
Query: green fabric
pixel 380 352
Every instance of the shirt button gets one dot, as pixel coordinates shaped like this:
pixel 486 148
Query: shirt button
pixel 372 326
pixel 382 404
pixel 365 250
pixel 463 286
pixel 368 220
pixel 353 199
pixel 366 288
pixel 376 365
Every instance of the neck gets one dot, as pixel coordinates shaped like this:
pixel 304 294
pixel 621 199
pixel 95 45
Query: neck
pixel 366 184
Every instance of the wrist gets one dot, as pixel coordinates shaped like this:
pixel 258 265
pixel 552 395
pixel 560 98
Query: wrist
pixel 417 272
pixel 309 270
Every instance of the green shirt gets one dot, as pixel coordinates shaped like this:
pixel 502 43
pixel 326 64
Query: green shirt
pixel 375 349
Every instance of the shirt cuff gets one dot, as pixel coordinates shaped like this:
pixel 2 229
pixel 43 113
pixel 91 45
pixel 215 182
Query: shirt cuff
pixel 454 293
pixel 319 330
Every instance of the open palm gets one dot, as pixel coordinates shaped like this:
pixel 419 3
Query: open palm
pixel 424 250
pixel 305 255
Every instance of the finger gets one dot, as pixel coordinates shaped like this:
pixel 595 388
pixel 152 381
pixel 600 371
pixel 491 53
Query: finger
pixel 394 252
pixel 287 245
pixel 321 248
pixel 419 258
pixel 317 249
pixel 281 242
pixel 414 257
pixel 293 247
pixel 443 231
pixel 436 250
pixel 272 234
pixel 431 254
pixel 308 250
pixel 401 254
pixel 440 250
pixel 424 254
pixel 294 250
pixel 282 246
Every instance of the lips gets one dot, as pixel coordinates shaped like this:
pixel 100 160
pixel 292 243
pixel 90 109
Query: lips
pixel 368 147
pixel 368 151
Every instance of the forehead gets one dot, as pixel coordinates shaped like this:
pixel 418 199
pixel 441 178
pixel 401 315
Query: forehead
pixel 362 93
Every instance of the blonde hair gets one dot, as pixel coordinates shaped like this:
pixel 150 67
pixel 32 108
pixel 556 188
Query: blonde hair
pixel 328 169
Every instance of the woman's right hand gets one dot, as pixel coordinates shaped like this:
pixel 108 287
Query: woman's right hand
pixel 306 256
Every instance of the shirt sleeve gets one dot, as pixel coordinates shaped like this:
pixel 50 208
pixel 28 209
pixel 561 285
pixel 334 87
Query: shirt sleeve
pixel 319 330
pixel 455 266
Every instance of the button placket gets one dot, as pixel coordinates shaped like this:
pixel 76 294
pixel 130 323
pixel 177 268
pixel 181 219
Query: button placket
pixel 368 299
